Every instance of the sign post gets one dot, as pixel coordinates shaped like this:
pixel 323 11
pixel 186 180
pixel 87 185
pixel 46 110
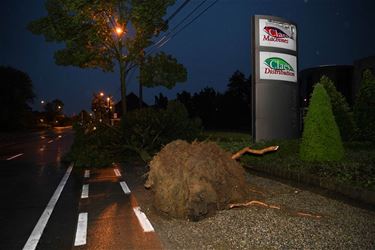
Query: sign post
pixel 274 83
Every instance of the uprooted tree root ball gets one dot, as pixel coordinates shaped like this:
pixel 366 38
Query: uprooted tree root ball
pixel 191 180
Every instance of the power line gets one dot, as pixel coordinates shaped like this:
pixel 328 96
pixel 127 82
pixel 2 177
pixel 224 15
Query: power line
pixel 178 10
pixel 185 26
pixel 180 30
pixel 159 9
pixel 181 22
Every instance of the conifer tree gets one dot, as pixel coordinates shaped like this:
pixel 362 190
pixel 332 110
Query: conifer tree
pixel 321 139
pixel 340 108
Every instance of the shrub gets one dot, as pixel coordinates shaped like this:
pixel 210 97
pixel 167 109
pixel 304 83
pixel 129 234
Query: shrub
pixel 340 108
pixel 148 129
pixel 364 108
pixel 93 146
pixel 143 132
pixel 321 139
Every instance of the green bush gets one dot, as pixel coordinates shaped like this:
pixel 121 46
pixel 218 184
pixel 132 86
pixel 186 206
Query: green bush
pixel 321 139
pixel 148 129
pixel 364 108
pixel 94 146
pixel 340 108
pixel 143 133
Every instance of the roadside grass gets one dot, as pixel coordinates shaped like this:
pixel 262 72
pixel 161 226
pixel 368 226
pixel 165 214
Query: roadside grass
pixel 357 169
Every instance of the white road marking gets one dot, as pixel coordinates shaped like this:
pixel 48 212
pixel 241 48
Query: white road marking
pixel 81 232
pixel 87 174
pixel 125 187
pixel 50 141
pixel 85 191
pixel 15 156
pixel 117 172
pixel 142 218
pixel 34 238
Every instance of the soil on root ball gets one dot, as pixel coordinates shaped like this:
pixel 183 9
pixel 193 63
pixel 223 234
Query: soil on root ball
pixel 190 181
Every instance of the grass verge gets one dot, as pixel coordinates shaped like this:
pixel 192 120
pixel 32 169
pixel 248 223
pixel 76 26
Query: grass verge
pixel 357 169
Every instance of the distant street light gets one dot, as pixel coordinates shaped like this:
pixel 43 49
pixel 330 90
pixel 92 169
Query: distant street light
pixel 42 101
pixel 101 94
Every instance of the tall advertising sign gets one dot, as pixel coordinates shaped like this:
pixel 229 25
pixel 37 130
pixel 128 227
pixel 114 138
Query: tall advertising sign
pixel 274 85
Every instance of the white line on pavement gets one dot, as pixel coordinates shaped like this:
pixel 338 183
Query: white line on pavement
pixel 85 191
pixel 34 238
pixel 117 172
pixel 15 156
pixel 50 141
pixel 142 218
pixel 81 230
pixel 87 174
pixel 125 187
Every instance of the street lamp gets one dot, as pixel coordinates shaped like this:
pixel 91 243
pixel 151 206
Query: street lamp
pixel 119 30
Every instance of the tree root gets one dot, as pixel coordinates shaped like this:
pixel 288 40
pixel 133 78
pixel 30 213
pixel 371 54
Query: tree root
pixel 309 215
pixel 251 203
pixel 254 151
pixel 262 204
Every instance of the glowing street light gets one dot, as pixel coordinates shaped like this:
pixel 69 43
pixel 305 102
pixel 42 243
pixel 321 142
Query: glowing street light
pixel 119 30
pixel 42 101
pixel 101 94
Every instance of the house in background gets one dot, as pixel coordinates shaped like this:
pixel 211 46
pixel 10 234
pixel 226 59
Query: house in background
pixel 347 79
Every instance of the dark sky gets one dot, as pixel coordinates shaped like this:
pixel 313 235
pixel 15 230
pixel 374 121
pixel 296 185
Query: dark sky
pixel 212 48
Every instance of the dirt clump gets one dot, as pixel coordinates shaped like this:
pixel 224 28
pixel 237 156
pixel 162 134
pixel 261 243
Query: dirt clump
pixel 189 181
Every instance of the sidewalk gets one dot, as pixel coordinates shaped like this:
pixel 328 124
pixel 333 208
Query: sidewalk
pixel 304 220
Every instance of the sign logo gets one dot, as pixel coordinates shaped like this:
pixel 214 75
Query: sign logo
pixel 276 35
pixel 278 66
pixel 275 32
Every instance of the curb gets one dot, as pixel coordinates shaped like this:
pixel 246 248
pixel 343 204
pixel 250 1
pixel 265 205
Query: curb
pixel 356 193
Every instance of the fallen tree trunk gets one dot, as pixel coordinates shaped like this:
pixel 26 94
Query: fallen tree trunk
pixel 254 151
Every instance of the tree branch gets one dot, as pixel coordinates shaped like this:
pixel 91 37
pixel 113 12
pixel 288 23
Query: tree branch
pixel 254 151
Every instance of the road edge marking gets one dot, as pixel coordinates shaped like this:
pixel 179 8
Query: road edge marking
pixel 143 220
pixel 85 191
pixel 87 173
pixel 117 172
pixel 81 233
pixel 125 187
pixel 14 156
pixel 37 232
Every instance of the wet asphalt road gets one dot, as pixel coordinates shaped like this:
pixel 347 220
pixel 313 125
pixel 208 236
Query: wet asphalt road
pixel 27 183
pixel 30 174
